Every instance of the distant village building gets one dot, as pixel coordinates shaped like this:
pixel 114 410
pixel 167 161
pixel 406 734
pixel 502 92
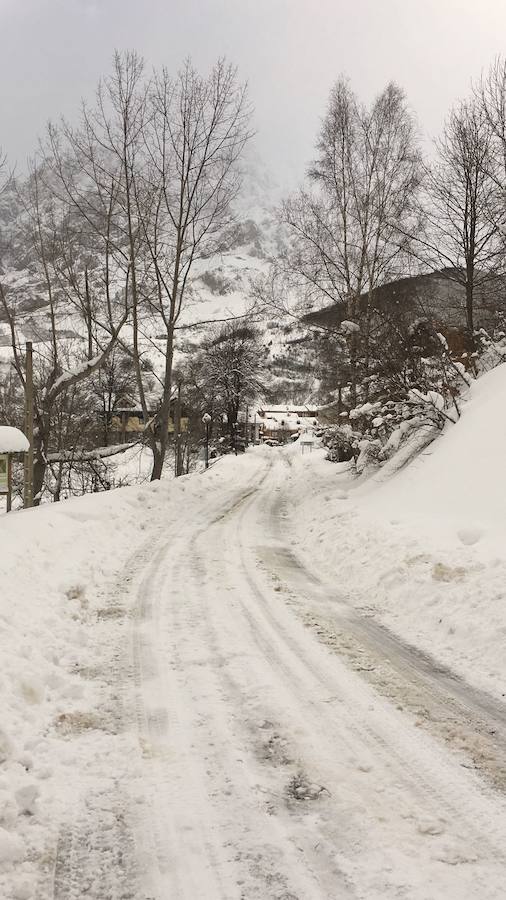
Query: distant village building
pixel 284 422
pixel 128 422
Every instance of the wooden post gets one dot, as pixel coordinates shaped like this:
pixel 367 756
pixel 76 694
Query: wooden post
pixel 177 434
pixel 9 482
pixel 28 469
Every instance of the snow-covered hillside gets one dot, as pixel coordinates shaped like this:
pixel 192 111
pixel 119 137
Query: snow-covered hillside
pixel 221 283
pixel 424 551
pixel 221 287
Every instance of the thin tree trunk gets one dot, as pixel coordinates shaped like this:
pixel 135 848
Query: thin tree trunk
pixel 470 314
pixel 164 416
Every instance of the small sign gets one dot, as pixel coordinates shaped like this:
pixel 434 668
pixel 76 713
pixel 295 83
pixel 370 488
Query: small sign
pixel 4 473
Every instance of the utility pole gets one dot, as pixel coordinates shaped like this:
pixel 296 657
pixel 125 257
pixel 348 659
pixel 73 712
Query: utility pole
pixel 177 434
pixel 9 482
pixel 206 418
pixel 187 449
pixel 28 473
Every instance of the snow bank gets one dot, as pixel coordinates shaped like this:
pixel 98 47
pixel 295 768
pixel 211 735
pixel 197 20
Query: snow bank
pixel 426 550
pixel 458 486
pixel 64 567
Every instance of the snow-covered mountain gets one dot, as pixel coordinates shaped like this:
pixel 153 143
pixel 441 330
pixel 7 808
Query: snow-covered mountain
pixel 221 288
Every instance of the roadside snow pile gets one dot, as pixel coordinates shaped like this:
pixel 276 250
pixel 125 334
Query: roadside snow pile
pixel 64 586
pixel 426 550
pixel 459 484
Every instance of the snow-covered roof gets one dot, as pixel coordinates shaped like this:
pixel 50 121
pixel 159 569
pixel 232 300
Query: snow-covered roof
pixel 12 440
pixel 289 409
pixel 286 422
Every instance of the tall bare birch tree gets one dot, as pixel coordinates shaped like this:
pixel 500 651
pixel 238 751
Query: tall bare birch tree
pixel 349 223
pixel 464 221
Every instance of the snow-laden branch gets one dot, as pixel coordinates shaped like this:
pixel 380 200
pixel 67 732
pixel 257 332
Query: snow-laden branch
pixel 89 455
pixel 80 373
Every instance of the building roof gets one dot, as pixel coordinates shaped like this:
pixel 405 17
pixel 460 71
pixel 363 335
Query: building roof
pixel 12 440
pixel 287 409
pixel 285 421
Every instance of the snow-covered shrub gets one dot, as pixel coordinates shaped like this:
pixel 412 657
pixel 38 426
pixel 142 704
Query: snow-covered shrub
pixel 490 348
pixel 406 383
pixel 341 442
pixel 369 456
pixel 378 430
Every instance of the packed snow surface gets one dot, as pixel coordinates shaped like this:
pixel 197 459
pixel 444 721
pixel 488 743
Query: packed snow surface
pixel 212 688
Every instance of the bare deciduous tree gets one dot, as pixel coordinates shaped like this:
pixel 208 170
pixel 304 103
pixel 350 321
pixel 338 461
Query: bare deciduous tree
pixel 193 138
pixel 463 218
pixel 59 369
pixel 350 225
pixel 153 174
pixel 224 374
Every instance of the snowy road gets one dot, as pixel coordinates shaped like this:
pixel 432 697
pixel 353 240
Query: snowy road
pixel 289 748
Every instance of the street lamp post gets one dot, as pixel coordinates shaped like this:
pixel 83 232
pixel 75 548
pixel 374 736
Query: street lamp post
pixel 206 418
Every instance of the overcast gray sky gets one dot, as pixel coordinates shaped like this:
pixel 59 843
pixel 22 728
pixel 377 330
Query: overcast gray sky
pixel 290 51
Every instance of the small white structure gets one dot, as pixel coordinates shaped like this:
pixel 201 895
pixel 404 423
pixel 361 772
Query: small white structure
pixel 12 440
pixel 306 440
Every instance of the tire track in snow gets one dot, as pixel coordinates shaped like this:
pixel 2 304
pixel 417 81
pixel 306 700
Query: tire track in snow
pixel 274 678
pixel 188 823
pixel 469 720
pixel 99 853
pixel 437 790
pixel 243 717
pixel 255 738
pixel 97 849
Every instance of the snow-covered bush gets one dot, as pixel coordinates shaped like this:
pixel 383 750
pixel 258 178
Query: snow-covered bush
pixel 341 442
pixel 490 348
pixel 378 429
pixel 369 456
